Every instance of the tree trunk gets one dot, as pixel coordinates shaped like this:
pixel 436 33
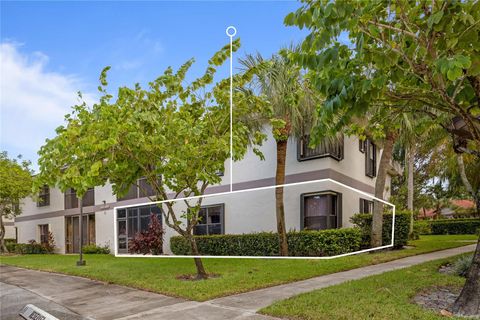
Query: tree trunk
pixel 466 183
pixel 3 247
pixel 377 218
pixel 280 210
pixel 201 273
pixel 468 303
pixel 411 165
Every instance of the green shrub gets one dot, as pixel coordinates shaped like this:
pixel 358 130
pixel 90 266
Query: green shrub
pixel 303 243
pixel 455 226
pixel 32 247
pixel 402 226
pixel 462 265
pixel 94 249
pixel 421 227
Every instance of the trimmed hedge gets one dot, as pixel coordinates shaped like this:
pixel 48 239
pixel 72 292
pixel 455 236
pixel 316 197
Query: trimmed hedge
pixel 402 226
pixel 303 243
pixel 455 226
pixel 94 249
pixel 27 248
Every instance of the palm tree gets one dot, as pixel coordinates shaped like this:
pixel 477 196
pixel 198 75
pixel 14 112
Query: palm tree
pixel 292 113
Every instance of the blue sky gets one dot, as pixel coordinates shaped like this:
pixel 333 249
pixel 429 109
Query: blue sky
pixel 50 50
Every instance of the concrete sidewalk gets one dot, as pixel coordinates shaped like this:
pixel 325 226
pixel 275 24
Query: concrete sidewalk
pixel 96 300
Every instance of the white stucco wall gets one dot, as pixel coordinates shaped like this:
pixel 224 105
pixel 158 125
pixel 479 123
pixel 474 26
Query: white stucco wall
pixel 28 230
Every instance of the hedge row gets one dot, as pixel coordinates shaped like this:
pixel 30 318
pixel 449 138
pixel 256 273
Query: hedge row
pixel 27 248
pixel 402 226
pixel 303 243
pixel 455 226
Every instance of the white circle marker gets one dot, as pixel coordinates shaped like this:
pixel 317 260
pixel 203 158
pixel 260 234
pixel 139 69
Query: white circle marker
pixel 231 31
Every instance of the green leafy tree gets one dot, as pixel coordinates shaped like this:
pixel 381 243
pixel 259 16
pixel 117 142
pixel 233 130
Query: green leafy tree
pixel 418 57
pixel 290 113
pixel 176 135
pixel 16 184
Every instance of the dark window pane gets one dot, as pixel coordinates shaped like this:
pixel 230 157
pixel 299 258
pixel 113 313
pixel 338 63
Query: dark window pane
pixel 145 189
pixel 202 216
pixel 320 211
pixel 144 222
pixel 326 147
pixel 215 229
pixel 145 211
pixel 200 230
pixel 44 196
pixel 89 198
pixel 122 213
pixel 316 223
pixel 131 194
pixel 71 200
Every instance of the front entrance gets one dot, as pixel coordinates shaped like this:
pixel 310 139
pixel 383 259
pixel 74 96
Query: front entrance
pixel 72 230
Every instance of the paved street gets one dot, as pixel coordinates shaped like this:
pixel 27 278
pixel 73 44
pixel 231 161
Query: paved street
pixel 69 297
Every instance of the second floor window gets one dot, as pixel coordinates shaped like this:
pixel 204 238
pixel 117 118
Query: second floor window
pixel 43 196
pixel 370 159
pixel 71 200
pixel 140 190
pixel 326 148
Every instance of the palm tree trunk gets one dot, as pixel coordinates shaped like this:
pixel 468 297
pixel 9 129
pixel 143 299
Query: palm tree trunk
pixel 411 165
pixel 468 303
pixel 3 247
pixel 280 210
pixel 463 175
pixel 377 218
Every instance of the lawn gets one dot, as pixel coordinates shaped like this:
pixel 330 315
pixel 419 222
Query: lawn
pixel 159 275
pixel 385 296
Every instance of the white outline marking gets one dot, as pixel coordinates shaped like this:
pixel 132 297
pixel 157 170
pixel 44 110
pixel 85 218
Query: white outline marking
pixel 254 257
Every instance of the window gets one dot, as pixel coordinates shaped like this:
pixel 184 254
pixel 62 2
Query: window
pixel 43 231
pixel 71 200
pixel 321 210
pixel 43 196
pixel 140 190
pixel 133 220
pixel 366 206
pixel 370 159
pixel 361 145
pixel 325 148
pixel 211 220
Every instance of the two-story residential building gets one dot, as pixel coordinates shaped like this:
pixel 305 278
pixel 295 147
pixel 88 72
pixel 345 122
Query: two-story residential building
pixel 319 205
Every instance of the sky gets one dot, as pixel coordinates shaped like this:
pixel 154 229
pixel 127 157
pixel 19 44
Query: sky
pixel 51 50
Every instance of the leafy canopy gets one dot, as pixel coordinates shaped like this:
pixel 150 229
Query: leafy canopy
pixel 16 184
pixel 411 56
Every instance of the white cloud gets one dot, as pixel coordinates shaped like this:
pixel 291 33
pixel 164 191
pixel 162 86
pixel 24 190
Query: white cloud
pixel 33 101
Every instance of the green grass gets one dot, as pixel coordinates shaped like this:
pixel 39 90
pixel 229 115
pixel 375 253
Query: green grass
pixel 159 274
pixel 385 296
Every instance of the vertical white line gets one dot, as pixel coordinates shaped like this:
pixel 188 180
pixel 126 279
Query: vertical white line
pixel 231 113
pixel 231 31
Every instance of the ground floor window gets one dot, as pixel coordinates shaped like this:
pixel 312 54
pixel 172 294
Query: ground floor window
pixel 131 221
pixel 72 232
pixel 43 231
pixel 366 206
pixel 321 210
pixel 211 220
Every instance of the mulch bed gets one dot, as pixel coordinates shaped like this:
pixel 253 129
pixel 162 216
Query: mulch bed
pixel 193 277
pixel 439 299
